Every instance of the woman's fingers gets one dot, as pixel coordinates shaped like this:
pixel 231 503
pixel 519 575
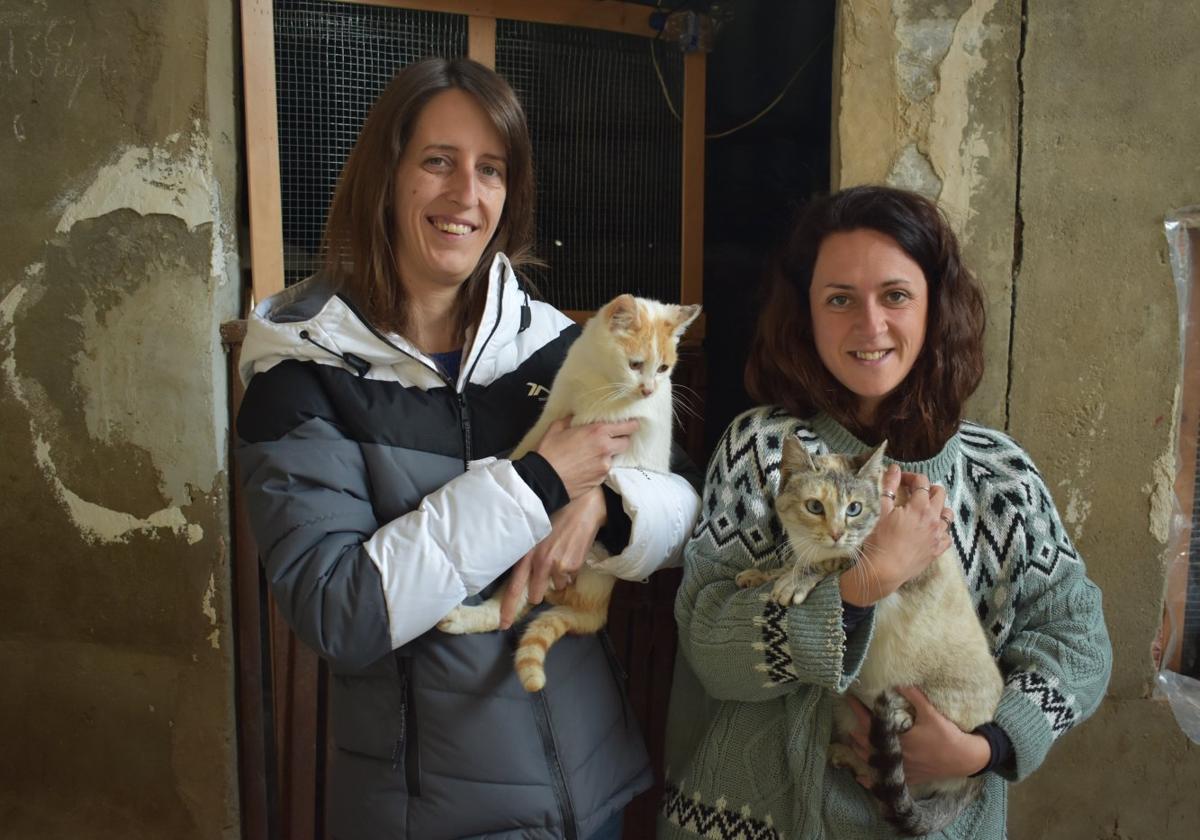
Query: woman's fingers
pixel 891 483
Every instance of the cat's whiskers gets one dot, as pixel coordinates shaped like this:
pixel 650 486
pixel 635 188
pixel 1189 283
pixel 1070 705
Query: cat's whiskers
pixel 678 401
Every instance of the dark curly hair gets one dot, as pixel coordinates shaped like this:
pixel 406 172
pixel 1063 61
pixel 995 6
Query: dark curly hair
pixel 783 367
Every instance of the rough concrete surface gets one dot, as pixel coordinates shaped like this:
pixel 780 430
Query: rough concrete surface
pixel 119 172
pixel 1096 122
pixel 1110 128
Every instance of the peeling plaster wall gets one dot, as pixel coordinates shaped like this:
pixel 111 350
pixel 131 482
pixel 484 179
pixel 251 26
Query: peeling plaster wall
pixel 1080 132
pixel 118 163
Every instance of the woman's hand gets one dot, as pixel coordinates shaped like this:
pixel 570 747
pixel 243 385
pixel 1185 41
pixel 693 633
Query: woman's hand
pixel 559 556
pixel 933 749
pixel 583 455
pixel 905 541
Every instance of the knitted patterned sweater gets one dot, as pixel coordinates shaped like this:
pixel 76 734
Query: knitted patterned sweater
pixel 752 705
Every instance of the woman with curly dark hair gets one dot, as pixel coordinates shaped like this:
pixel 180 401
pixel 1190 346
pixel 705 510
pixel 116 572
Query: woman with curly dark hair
pixel 871 330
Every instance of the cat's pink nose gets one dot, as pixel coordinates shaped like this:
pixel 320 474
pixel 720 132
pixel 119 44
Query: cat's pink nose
pixel 647 390
pixel 835 535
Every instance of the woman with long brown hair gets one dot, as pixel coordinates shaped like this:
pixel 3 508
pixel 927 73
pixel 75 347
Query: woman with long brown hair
pixel 871 330
pixel 383 396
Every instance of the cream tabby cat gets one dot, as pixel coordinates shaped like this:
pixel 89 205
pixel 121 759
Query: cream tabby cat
pixel 926 633
pixel 618 369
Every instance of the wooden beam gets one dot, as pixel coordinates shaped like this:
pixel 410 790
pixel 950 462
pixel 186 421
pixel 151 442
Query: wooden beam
pixel 692 231
pixel 262 149
pixel 611 15
pixel 481 40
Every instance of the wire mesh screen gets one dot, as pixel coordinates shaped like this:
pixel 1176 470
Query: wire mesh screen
pixel 331 61
pixel 607 154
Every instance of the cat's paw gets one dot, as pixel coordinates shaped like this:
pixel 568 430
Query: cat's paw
pixel 455 622
pixel 478 619
pixel 750 578
pixel 902 720
pixel 895 711
pixel 844 757
pixel 791 589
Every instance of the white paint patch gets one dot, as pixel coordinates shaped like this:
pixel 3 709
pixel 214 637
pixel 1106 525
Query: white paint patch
pixel 18 128
pixel 96 523
pixel 1077 510
pixel 154 180
pixel 210 612
pixel 959 147
pixel 100 525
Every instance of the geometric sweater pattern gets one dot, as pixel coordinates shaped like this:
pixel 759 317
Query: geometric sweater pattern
pixel 1041 614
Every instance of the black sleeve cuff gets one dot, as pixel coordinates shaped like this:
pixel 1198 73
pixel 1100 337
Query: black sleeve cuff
pixel 854 615
pixel 542 480
pixel 999 741
pixel 614 534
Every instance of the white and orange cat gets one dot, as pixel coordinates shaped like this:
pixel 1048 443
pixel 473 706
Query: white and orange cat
pixel 618 369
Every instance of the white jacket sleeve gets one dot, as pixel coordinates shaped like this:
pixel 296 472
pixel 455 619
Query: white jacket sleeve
pixel 663 509
pixel 445 550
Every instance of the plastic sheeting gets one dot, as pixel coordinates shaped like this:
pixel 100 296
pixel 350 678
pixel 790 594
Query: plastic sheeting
pixel 1180 662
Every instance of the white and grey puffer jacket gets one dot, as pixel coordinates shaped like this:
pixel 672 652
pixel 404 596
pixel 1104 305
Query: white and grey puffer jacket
pixel 380 498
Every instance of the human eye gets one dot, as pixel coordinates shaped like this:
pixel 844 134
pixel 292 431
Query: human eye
pixel 896 296
pixel 838 301
pixel 491 170
pixel 437 162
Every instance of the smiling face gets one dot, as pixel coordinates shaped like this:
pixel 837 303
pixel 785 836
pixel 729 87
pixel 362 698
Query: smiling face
pixel 449 191
pixel 869 303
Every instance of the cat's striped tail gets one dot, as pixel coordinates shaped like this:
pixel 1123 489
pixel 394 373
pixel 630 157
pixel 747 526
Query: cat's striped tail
pixel 913 817
pixel 541 634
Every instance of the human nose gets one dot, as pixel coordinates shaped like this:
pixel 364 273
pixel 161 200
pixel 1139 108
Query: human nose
pixel 462 187
pixel 871 320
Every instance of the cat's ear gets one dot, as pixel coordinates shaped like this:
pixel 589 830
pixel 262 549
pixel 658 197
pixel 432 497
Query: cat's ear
pixel 795 458
pixel 873 465
pixel 621 313
pixel 684 315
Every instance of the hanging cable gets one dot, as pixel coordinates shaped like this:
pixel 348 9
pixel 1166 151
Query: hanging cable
pixel 662 83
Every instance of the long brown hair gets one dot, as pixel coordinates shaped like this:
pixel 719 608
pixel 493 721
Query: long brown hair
pixel 359 230
pixel 920 415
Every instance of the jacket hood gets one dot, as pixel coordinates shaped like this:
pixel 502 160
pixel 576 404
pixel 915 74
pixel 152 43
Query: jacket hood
pixel 311 321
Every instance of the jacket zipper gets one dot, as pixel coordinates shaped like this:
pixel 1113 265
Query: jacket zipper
pixel 464 421
pixel 408 745
pixel 541 713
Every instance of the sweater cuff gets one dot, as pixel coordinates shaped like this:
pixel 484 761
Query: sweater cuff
pixel 821 652
pixel 536 471
pixel 614 534
pixel 999 743
pixel 1026 726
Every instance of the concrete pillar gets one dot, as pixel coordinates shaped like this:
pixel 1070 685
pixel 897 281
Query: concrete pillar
pixel 118 167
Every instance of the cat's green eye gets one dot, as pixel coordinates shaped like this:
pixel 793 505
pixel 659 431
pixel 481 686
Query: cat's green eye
pixel 636 365
pixel 854 509
pixel 814 507
pixel 662 368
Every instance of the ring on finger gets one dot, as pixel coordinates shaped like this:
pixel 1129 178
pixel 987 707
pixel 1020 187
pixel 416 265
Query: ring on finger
pixel 890 495
pixel 944 518
pixel 924 487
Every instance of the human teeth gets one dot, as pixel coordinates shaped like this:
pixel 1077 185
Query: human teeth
pixel 451 227
pixel 870 356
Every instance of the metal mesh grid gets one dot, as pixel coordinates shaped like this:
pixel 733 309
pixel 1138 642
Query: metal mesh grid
pixel 332 60
pixel 608 155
